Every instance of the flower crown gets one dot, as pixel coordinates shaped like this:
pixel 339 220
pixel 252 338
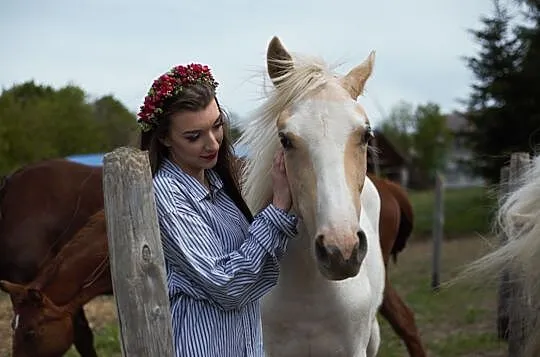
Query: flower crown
pixel 169 85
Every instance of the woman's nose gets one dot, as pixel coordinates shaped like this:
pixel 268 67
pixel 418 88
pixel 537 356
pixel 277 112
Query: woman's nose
pixel 212 144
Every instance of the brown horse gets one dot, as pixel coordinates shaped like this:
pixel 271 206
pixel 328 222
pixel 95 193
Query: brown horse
pixel 42 206
pixel 396 225
pixel 44 309
pixel 43 298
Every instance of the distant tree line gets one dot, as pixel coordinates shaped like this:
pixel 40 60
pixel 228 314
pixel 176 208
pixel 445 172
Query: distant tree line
pixel 39 122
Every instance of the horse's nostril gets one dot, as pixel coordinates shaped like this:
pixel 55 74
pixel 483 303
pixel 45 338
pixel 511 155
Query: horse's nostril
pixel 362 245
pixel 320 250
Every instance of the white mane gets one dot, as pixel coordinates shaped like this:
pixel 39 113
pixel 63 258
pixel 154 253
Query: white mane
pixel 260 132
pixel 519 220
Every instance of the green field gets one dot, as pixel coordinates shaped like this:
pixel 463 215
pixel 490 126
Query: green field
pixel 467 211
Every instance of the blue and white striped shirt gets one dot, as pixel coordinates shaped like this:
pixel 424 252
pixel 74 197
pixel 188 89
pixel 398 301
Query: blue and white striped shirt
pixel 218 266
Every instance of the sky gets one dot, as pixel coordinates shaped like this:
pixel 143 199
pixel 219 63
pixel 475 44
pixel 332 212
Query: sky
pixel 119 47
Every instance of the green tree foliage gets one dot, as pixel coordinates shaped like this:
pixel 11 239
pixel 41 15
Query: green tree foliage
pixel 421 133
pixel 234 125
pixel 503 108
pixel 399 125
pixel 431 138
pixel 114 119
pixel 39 122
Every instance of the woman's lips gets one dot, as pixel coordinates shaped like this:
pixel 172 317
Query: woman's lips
pixel 210 157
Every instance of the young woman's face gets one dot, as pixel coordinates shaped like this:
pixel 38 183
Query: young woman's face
pixel 195 137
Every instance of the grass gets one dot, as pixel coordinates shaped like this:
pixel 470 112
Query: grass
pixel 458 320
pixel 466 211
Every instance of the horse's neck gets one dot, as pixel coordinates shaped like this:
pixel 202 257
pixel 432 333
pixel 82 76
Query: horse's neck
pixel 75 277
pixel 80 268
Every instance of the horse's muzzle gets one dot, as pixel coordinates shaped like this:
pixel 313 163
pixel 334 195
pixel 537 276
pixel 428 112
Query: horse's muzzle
pixel 332 261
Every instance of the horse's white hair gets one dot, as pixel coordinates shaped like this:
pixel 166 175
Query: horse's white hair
pixel 304 75
pixel 519 219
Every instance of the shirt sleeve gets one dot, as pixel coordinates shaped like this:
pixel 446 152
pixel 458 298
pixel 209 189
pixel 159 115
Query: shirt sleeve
pixel 230 279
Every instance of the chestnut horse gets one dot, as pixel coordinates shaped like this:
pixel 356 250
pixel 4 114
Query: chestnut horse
pixel 42 206
pixel 44 309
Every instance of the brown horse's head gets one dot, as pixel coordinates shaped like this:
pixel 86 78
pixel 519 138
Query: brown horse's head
pixel 40 328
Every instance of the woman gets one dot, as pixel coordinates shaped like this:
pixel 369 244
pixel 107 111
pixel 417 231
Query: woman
pixel 220 260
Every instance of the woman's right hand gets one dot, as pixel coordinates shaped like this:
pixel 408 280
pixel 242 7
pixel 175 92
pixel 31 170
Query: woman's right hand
pixel 282 193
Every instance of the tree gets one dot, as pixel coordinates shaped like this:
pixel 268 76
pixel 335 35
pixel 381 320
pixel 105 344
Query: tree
pixel 431 139
pixel 119 126
pixel 420 132
pixel 502 109
pixel 399 125
pixel 234 125
pixel 39 122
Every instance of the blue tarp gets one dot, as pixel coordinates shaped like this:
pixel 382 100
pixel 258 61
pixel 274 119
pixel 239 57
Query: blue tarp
pixel 87 159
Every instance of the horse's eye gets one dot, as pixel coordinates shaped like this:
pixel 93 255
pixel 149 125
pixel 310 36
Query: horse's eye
pixel 285 141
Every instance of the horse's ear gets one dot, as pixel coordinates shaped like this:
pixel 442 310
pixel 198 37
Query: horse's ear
pixel 11 288
pixel 355 81
pixel 278 60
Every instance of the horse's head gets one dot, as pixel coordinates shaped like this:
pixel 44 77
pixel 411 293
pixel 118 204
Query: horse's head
pixel 40 328
pixel 314 116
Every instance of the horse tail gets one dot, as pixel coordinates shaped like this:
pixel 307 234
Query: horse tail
pixel 406 220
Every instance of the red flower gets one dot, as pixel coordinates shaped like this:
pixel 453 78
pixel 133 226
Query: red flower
pixel 168 85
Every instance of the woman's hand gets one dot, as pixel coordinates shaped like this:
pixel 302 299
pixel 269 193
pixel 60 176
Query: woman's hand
pixel 282 193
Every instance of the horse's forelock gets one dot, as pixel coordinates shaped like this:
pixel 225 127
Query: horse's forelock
pixel 260 134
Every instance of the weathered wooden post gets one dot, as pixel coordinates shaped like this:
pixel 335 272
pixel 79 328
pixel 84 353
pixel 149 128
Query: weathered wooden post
pixel 136 256
pixel 517 333
pixel 438 230
pixel 504 287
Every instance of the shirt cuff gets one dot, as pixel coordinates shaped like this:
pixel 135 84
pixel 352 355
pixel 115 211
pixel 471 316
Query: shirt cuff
pixel 283 220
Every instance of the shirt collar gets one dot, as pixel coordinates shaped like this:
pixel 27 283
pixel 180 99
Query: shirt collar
pixel 193 187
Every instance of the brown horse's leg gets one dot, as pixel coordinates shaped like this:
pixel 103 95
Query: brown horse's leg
pixel 402 320
pixel 83 338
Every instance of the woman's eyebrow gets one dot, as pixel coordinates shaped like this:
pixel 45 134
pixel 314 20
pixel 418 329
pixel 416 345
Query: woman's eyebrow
pixel 196 131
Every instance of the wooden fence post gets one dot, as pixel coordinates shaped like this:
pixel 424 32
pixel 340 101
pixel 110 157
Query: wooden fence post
pixel 136 256
pixel 504 288
pixel 438 230
pixel 519 163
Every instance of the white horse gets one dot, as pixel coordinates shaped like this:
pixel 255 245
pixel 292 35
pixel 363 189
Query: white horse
pixel 332 274
pixel 519 219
